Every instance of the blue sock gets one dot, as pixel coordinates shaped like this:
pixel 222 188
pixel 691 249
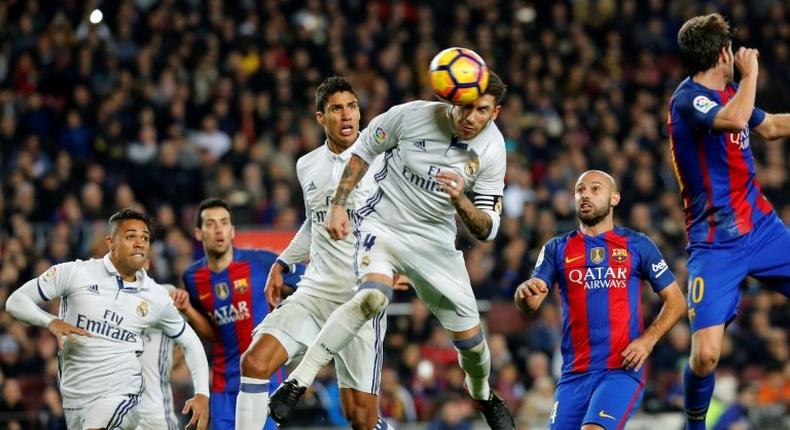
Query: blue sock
pixel 382 424
pixel 698 391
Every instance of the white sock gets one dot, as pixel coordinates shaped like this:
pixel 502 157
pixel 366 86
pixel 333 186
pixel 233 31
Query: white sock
pixel 339 329
pixel 476 362
pixel 252 403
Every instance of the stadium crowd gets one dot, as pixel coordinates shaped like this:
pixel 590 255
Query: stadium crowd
pixel 163 103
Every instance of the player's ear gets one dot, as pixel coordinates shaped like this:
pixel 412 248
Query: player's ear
pixel 232 232
pixel 198 237
pixel 615 198
pixel 726 55
pixel 497 109
pixel 109 241
pixel 319 117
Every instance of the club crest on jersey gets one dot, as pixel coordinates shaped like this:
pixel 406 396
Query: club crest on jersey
pixel 703 104
pixel 222 290
pixel 380 135
pixel 46 277
pixel 472 167
pixel 365 261
pixel 142 309
pixel 619 254
pixel 240 286
pixel 597 255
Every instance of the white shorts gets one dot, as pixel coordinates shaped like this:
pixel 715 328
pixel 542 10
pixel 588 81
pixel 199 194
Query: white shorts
pixel 111 412
pixel 438 273
pixel 295 323
pixel 161 421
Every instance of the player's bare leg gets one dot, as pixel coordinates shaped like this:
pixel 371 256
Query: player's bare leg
pixel 475 359
pixel 264 357
pixel 372 298
pixel 361 410
pixel 592 427
pixel 699 376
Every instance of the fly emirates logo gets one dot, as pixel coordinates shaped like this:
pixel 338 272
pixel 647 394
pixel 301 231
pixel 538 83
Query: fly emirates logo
pixel 593 278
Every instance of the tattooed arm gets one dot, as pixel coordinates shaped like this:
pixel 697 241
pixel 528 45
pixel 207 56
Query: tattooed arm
pixel 478 221
pixel 481 220
pixel 352 174
pixel 337 218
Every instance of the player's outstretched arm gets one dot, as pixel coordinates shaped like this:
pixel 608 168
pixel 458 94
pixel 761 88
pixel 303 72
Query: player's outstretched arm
pixel 22 304
pixel 636 353
pixel 530 294
pixel 197 320
pixel 734 116
pixel 774 126
pixel 337 223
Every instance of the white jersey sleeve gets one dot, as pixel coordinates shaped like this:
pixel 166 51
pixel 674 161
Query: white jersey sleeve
pixel 299 248
pixel 57 280
pixel 492 170
pixel 380 135
pixel 490 185
pixel 173 325
pixel 23 303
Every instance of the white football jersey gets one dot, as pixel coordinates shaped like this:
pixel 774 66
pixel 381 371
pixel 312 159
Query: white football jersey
pixel 418 141
pixel 156 408
pixel 330 274
pixel 116 313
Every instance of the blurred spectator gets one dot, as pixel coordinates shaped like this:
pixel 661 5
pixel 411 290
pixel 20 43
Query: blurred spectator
pixel 12 412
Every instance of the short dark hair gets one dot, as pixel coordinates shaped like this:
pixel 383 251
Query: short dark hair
pixel 495 87
pixel 212 202
pixel 127 214
pixel 701 39
pixel 331 85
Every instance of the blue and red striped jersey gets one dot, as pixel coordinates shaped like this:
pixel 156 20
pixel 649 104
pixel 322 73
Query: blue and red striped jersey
pixel 715 170
pixel 600 279
pixel 235 302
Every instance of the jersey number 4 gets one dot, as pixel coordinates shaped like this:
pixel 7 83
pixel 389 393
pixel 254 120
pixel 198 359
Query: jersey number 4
pixel 368 242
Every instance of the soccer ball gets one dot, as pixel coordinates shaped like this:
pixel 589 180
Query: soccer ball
pixel 458 75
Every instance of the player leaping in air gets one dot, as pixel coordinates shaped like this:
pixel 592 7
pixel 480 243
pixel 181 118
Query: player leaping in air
pixel 733 232
pixel 433 154
pixel 328 282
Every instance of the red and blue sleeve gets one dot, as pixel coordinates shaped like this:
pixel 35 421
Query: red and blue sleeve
pixel 653 266
pixel 545 266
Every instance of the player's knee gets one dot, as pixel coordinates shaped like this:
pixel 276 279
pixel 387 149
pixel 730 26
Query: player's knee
pixel 254 367
pixel 372 300
pixel 704 359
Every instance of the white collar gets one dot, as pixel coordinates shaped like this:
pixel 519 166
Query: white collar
pixel 343 156
pixel 140 275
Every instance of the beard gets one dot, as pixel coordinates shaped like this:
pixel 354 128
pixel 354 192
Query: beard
pixel 596 216
pixel 218 252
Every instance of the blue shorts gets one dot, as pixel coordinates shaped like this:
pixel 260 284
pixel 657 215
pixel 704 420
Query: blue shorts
pixel 222 407
pixel 607 398
pixel 717 270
